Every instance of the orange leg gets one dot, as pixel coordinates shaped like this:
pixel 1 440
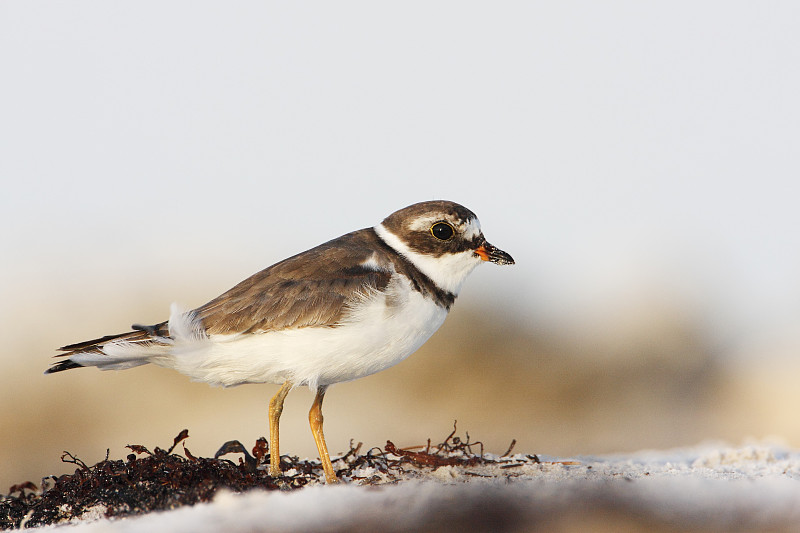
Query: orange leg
pixel 315 419
pixel 275 410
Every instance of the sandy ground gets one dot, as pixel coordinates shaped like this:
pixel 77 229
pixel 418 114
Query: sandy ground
pixel 709 487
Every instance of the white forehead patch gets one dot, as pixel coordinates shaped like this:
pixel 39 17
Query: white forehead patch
pixel 472 229
pixel 469 229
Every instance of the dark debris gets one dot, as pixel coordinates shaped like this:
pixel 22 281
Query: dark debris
pixel 152 481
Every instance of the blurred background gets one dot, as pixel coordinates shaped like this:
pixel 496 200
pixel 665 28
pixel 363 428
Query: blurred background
pixel 639 161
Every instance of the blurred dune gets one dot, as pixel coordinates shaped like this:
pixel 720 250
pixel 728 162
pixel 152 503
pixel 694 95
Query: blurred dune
pixel 654 381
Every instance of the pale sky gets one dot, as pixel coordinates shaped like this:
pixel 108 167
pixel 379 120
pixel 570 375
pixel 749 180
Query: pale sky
pixel 619 151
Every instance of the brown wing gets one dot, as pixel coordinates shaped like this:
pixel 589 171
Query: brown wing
pixel 313 288
pixel 310 289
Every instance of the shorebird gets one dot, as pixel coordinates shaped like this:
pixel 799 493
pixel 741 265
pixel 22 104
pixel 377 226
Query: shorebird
pixel 343 310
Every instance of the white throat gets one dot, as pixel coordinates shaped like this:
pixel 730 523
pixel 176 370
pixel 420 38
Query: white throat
pixel 448 271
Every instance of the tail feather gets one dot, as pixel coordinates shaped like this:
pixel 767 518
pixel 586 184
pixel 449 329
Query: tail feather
pixel 95 352
pixel 61 366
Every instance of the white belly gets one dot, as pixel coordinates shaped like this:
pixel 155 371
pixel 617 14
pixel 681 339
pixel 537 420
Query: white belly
pixel 374 337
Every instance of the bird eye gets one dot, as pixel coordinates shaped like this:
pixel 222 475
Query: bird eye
pixel 442 231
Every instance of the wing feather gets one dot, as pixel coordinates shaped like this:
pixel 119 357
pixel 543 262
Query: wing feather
pixel 312 289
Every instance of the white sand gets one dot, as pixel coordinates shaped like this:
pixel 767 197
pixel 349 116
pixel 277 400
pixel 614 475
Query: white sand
pixel 705 488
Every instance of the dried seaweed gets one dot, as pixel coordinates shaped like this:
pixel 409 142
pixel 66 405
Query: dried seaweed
pixel 150 481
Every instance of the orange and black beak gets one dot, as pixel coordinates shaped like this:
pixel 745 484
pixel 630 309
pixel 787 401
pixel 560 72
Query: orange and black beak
pixel 487 252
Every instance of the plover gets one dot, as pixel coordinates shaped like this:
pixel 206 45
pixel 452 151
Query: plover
pixel 346 309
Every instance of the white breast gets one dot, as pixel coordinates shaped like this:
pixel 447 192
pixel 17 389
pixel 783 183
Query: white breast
pixel 379 332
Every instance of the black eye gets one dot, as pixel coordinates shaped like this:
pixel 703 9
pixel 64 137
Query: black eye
pixel 442 231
